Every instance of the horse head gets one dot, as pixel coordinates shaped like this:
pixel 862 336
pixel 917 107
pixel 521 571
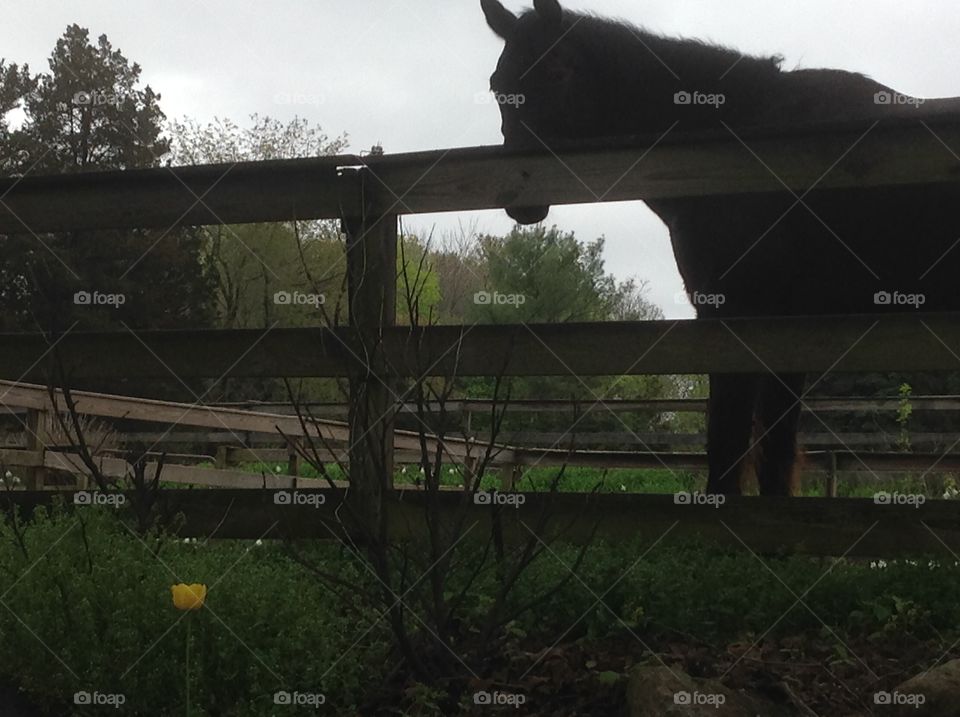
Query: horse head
pixel 534 82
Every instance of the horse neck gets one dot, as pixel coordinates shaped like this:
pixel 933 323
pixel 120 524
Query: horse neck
pixel 662 67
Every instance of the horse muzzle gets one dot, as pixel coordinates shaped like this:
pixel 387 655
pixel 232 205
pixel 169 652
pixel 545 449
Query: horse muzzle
pixel 528 215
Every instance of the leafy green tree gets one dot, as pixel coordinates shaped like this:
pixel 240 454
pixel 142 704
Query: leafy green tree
pixel 460 270
pixel 281 274
pixel 418 284
pixel 546 276
pixel 87 112
pixel 15 82
pixel 265 138
pixel 254 262
pixel 542 275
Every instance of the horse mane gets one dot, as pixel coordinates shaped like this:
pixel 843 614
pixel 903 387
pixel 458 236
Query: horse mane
pixel 622 47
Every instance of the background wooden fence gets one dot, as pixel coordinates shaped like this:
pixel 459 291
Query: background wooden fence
pixel 368 194
pixel 229 436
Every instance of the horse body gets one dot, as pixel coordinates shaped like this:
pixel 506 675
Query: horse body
pixel 835 252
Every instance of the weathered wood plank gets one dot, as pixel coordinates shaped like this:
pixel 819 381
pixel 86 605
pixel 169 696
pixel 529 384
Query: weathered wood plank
pixel 814 461
pixel 231 420
pixel 163 197
pixel 681 165
pixel 815 526
pixel 372 289
pixel 626 439
pixel 327 409
pixel 486 177
pixel 897 342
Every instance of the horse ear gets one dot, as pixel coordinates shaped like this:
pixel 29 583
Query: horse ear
pixel 549 10
pixel 500 20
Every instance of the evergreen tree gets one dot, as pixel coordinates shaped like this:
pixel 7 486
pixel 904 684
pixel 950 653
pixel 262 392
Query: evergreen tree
pixel 87 112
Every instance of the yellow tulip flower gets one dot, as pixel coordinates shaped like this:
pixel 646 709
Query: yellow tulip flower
pixel 188 597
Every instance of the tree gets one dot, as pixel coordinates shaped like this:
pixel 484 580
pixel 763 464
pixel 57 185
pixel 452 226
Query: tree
pixel 15 82
pixel 541 275
pixel 222 140
pixel 253 262
pixel 551 276
pixel 418 284
pixel 461 273
pixel 285 274
pixel 88 113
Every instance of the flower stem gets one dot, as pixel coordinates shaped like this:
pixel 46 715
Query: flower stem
pixel 187 661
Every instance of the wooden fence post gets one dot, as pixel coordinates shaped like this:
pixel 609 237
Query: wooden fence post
pixel 509 475
pixel 293 460
pixel 372 294
pixel 38 435
pixel 832 475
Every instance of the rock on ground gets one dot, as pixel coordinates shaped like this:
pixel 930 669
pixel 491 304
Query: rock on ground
pixel 659 691
pixel 935 693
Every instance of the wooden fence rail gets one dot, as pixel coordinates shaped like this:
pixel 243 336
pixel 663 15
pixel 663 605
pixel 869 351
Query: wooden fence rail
pixel 895 342
pixel 681 165
pixel 854 527
pixel 325 409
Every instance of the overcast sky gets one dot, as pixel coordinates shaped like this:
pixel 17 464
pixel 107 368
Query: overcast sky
pixel 407 73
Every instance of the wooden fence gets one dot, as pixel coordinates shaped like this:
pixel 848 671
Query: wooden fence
pixel 368 194
pixel 232 436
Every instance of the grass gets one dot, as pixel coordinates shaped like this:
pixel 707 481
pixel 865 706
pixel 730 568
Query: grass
pixel 81 587
pixel 636 480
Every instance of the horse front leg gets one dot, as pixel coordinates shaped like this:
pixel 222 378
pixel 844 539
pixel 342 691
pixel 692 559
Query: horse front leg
pixel 778 419
pixel 730 431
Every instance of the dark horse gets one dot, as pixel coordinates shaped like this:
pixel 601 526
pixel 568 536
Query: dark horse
pixel 839 252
